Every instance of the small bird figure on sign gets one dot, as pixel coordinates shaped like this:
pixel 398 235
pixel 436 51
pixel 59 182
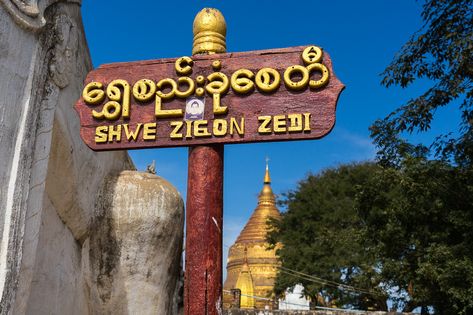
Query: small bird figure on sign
pixel 151 168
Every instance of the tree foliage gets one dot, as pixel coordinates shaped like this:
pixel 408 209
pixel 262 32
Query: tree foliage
pixel 419 215
pixel 419 222
pixel 321 236
pixel 442 53
pixel 404 229
pixel 403 234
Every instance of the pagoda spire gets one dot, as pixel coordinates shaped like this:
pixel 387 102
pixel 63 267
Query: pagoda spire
pixel 267 178
pixel 251 266
pixel 266 195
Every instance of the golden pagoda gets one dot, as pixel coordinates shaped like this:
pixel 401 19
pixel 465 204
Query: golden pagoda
pixel 251 267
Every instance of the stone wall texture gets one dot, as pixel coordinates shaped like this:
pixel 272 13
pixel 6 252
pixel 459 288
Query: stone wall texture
pixel 317 312
pixel 73 239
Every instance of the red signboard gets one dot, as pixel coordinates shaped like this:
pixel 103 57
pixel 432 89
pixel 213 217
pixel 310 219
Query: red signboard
pixel 267 95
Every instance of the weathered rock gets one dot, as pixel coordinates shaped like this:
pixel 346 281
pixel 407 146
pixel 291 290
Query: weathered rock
pixel 49 180
pixel 42 70
pixel 135 246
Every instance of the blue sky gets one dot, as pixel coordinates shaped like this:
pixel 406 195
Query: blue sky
pixel 361 37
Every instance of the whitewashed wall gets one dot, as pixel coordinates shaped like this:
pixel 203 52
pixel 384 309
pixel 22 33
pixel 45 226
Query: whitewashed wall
pixel 49 180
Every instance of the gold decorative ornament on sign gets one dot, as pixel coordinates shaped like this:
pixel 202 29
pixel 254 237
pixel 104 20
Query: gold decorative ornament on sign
pixel 184 65
pixel 217 84
pixel 312 54
pixel 93 93
pixel 263 79
pixel 209 30
pixel 241 81
pixel 144 89
pixel 325 75
pixel 296 85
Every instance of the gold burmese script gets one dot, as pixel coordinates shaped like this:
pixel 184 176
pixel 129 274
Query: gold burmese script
pixel 118 93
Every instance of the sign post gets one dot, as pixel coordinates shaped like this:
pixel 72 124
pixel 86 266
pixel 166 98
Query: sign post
pixel 203 102
pixel 204 205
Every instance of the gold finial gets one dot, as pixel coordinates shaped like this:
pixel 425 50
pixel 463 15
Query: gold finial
pixel 267 179
pixel 210 30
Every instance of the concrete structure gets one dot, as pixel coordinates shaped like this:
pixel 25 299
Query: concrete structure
pixel 319 312
pixel 294 300
pixel 69 243
pixel 133 255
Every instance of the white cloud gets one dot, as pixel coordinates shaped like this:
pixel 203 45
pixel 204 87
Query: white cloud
pixel 364 145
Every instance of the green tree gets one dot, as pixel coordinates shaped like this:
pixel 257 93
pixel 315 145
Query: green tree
pixel 442 53
pixel 419 222
pixel 321 236
pixel 419 214
pixel 404 229
pixel 402 233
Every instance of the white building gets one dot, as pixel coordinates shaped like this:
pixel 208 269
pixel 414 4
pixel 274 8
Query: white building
pixel 294 300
